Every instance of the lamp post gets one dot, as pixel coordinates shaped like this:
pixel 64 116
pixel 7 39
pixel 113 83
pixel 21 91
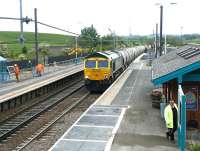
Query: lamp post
pixel 101 43
pixel 36 38
pixel 156 42
pixel 181 33
pixel 112 34
pixel 115 40
pixel 161 28
pixel 165 52
pixel 76 49
pixel 21 38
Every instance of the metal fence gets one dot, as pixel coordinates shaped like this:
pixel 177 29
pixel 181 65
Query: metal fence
pixel 30 72
pixel 29 63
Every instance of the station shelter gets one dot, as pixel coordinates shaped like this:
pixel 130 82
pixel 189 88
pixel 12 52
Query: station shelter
pixel 181 67
pixel 4 75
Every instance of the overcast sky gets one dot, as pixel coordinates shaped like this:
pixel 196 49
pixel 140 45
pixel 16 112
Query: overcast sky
pixel 122 16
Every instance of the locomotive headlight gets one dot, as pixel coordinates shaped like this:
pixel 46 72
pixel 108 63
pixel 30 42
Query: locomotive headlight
pixel 106 76
pixel 86 77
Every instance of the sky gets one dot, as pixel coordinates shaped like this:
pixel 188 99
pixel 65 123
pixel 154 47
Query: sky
pixel 124 17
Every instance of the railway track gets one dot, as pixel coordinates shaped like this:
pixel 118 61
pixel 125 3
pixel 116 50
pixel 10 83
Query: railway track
pixel 34 121
pixel 47 126
pixel 49 132
pixel 12 124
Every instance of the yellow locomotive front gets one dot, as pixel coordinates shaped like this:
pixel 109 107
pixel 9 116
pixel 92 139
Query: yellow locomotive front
pixel 97 73
pixel 96 69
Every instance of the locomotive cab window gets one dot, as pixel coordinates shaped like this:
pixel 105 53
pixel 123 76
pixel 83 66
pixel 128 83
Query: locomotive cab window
pixel 90 64
pixel 103 64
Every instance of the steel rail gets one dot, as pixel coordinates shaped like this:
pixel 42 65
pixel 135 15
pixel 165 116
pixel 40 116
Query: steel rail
pixel 46 128
pixel 29 116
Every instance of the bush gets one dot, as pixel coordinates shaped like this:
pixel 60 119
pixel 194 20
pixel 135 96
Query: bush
pixel 24 50
pixel 195 147
pixel 22 57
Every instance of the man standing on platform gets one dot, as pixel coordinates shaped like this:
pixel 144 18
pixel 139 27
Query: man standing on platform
pixel 39 69
pixel 17 71
pixel 171 119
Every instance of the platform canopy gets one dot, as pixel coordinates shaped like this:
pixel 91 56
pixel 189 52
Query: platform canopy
pixel 2 59
pixel 176 64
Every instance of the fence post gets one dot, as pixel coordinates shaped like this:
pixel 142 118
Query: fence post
pixel 182 118
pixel 183 123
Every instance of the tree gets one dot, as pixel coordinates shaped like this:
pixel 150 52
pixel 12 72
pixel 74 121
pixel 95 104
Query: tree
pixel 108 42
pixel 22 57
pixel 24 50
pixel 44 49
pixel 4 49
pixel 89 37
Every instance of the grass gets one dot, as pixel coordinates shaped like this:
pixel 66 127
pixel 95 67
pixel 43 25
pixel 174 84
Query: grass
pixel 195 147
pixel 11 39
pixel 197 41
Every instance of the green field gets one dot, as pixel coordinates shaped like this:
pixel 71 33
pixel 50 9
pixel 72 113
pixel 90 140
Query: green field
pixel 196 41
pixel 11 40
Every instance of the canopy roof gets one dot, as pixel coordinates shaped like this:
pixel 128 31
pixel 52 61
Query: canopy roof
pixel 175 64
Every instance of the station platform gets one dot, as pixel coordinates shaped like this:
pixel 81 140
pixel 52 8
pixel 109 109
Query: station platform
pixel 122 119
pixel 13 89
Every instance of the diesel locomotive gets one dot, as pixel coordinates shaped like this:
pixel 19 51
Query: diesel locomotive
pixel 102 68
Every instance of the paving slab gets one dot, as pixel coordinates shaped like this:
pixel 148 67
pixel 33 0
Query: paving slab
pixel 89 133
pixel 98 121
pixel 104 111
pixel 93 131
pixel 65 145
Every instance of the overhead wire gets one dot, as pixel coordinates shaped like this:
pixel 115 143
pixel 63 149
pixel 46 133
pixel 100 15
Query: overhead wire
pixel 58 28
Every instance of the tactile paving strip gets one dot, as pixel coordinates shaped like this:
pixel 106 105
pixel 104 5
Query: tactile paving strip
pixel 92 132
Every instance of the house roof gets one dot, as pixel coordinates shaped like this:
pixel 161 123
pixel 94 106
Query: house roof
pixel 176 64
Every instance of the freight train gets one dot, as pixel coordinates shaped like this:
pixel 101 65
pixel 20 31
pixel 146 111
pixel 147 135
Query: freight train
pixel 102 68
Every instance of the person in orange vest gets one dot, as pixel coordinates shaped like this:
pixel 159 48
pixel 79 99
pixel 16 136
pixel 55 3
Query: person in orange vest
pixel 17 71
pixel 39 69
